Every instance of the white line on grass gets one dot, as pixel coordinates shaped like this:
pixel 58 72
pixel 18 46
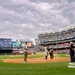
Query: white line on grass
pixel 71 66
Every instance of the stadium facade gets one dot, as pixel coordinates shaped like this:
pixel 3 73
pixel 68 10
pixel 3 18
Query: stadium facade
pixel 57 40
pixel 7 46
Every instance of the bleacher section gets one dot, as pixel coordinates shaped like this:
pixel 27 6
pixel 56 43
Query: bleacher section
pixel 57 40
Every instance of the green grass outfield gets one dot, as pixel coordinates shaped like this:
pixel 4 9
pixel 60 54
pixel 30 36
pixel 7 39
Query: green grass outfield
pixel 54 68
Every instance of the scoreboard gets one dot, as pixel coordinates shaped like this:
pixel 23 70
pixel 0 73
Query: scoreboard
pixel 5 44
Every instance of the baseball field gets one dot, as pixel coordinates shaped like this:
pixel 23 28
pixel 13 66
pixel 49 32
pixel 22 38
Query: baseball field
pixel 36 65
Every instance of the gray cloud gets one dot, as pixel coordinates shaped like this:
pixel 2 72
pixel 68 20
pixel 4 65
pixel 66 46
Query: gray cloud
pixel 26 18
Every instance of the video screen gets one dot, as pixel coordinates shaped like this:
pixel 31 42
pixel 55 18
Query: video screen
pixel 5 44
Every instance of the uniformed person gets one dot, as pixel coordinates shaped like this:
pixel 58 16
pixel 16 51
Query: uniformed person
pixel 25 52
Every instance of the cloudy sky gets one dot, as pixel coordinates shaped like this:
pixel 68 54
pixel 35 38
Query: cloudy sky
pixel 25 19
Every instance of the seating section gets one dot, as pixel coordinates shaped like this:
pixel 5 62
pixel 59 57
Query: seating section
pixel 57 40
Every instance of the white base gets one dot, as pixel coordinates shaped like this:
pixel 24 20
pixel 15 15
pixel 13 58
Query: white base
pixel 71 63
pixel 71 66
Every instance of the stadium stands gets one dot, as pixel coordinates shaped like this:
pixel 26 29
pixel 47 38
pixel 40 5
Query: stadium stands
pixel 57 40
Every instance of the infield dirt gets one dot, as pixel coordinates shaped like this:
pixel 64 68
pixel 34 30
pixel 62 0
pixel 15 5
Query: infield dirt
pixel 37 60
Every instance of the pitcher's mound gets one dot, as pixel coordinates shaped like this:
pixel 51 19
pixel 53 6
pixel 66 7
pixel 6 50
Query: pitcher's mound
pixel 37 60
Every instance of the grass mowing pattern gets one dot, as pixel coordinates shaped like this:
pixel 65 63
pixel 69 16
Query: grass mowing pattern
pixel 59 68
pixel 62 55
pixel 20 56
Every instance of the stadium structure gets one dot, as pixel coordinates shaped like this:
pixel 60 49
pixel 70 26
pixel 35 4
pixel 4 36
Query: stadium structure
pixel 57 40
pixel 19 44
pixel 6 45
